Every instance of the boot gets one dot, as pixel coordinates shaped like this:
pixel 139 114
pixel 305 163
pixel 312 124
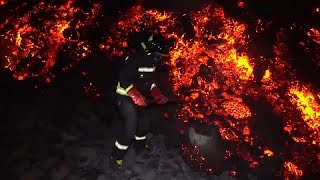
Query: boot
pixel 141 146
pixel 116 158
pixel 115 164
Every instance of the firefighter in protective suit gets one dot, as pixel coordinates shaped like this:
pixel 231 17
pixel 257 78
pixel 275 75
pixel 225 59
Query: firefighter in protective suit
pixel 135 83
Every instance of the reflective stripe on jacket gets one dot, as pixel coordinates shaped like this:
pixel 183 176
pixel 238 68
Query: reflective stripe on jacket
pixel 123 91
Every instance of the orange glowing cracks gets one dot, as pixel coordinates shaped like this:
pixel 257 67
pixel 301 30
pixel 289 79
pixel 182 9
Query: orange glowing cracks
pixel 308 105
pixel 159 16
pixel 60 27
pixel 18 39
pixel 31 49
pixel 291 171
pixel 236 108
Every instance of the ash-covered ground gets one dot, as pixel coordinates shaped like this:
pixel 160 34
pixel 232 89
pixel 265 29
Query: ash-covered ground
pixel 62 134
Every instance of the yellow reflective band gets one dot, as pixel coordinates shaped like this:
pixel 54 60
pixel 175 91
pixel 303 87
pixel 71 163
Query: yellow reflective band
pixel 121 92
pixel 143 45
pixel 120 146
pixel 140 138
pixel 130 87
pixel 153 86
pixel 119 162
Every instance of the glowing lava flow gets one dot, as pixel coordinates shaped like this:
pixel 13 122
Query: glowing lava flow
pixel 32 40
pixel 213 73
pixel 211 70
pixel 131 22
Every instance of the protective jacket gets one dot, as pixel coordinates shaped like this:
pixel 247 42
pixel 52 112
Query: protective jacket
pixel 136 77
pixel 137 72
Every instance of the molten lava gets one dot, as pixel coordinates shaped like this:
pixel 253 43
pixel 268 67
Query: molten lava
pixel 213 73
pixel 211 69
pixel 33 40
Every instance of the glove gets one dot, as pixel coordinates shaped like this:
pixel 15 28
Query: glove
pixel 137 97
pixel 158 96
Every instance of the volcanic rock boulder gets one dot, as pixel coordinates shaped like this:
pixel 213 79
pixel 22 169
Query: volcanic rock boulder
pixel 208 140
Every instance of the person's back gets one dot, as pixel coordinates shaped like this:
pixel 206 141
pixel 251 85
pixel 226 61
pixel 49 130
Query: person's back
pixel 140 71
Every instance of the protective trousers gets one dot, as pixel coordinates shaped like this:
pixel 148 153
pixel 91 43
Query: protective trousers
pixel 134 126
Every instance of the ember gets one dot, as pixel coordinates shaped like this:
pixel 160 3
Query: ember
pixel 268 152
pixel 91 90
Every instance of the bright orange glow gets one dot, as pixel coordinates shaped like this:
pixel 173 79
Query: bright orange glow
pixel 31 49
pixel 213 74
pixel 268 152
pixel 291 171
pixel 244 68
pixel 236 108
pixel 266 75
pixel 307 104
pixel 210 68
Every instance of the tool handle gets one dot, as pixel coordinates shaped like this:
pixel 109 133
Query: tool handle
pixel 170 101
